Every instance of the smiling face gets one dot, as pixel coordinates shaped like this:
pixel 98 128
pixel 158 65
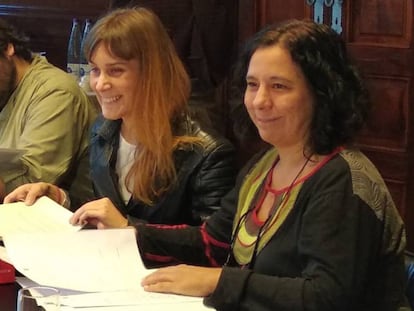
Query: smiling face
pixel 114 80
pixel 278 98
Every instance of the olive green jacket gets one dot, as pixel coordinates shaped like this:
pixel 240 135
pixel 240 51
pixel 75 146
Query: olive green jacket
pixel 48 116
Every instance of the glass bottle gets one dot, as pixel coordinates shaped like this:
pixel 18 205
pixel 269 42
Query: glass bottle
pixel 73 56
pixel 84 65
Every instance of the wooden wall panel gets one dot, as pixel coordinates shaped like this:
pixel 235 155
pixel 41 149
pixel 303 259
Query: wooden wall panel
pixel 248 19
pixel 388 125
pixel 393 166
pixel 254 14
pixel 398 191
pixel 48 22
pixel 380 38
pixel 386 22
pixel 272 11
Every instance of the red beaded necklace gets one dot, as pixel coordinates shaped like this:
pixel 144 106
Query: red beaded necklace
pixel 277 205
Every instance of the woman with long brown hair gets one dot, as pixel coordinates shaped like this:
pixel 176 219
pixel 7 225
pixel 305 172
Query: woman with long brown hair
pixel 149 161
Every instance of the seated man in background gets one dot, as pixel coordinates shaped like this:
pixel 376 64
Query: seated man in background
pixel 44 112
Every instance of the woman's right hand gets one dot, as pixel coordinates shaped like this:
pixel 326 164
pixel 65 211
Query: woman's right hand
pixel 183 280
pixel 29 193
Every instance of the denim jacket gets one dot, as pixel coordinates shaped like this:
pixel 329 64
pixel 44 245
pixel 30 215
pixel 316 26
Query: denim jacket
pixel 204 175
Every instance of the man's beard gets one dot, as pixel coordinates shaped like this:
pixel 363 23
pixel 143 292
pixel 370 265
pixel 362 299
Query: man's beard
pixel 8 75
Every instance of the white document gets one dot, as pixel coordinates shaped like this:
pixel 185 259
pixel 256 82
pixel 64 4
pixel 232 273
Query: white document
pixel 190 306
pixel 95 270
pixel 10 159
pixel 172 306
pixel 124 298
pixel 25 282
pixel 77 299
pixel 45 215
pixel 3 255
pixel 122 301
pixel 87 260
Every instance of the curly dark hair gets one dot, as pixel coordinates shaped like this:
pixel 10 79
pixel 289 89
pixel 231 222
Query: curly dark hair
pixel 341 104
pixel 9 34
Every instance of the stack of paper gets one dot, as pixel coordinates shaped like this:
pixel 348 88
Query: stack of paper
pixel 96 270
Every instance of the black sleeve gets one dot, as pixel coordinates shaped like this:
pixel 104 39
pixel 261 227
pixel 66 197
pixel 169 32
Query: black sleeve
pixel 213 178
pixel 206 245
pixel 337 240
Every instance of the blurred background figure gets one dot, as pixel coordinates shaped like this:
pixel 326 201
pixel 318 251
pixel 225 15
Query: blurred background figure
pixel 45 113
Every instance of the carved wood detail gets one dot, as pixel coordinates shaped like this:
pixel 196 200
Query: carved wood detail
pixel 383 23
pixel 387 127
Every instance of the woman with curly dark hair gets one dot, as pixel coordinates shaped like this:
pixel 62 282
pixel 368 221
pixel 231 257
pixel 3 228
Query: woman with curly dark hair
pixel 311 224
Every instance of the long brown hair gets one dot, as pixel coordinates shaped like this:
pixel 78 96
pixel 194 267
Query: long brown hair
pixel 161 95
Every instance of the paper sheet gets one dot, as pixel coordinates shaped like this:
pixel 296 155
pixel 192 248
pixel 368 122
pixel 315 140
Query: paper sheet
pixel 25 282
pixel 122 300
pixel 88 260
pixel 192 306
pixel 95 270
pixel 3 255
pixel 177 306
pixel 45 215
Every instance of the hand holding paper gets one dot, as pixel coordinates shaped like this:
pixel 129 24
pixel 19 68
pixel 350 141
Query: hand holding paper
pixel 44 215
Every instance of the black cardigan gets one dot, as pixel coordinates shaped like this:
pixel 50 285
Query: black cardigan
pixel 340 248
